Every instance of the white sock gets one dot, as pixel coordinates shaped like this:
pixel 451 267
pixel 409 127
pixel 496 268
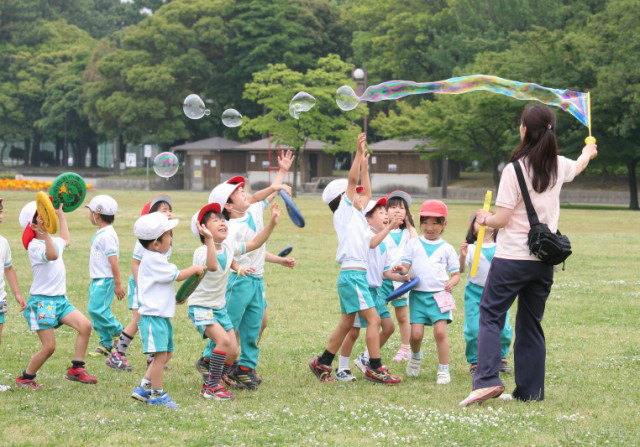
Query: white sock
pixel 442 367
pixel 343 362
pixel 145 383
pixel 417 355
pixel 366 355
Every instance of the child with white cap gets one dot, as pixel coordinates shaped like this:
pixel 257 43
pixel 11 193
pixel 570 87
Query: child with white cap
pixel 345 199
pixel 379 267
pixel 161 204
pixel 48 307
pixel 157 302
pixel 246 294
pixel 207 303
pixel 12 279
pixel 104 272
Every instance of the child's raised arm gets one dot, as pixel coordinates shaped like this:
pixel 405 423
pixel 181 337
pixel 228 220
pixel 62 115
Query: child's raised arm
pixel 354 172
pixel 189 272
pixel 64 228
pixel 378 238
pixel 262 237
pixel 365 180
pixel 283 261
pixel 268 193
pixel 212 256
pixel 50 252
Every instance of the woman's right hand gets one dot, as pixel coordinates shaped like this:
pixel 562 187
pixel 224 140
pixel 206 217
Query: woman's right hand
pixel 464 249
pixel 590 150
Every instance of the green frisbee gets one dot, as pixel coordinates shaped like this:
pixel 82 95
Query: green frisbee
pixel 69 190
pixel 188 286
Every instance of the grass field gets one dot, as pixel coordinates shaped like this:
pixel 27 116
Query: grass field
pixel 591 325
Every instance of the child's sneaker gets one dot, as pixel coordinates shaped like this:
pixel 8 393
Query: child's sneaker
pixel 141 394
pixel 255 378
pixel 119 361
pixel 504 367
pixel 413 367
pixel 482 394
pixel 101 350
pixel 203 368
pixel 217 392
pixel 473 369
pixel 402 355
pixel 163 400
pixel 443 377
pixel 381 375
pixel 361 363
pixel 229 382
pixel 243 379
pixel 345 375
pixel 4 388
pixel 322 372
pixel 28 383
pixel 80 375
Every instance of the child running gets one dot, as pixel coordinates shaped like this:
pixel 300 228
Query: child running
pixel 432 260
pixel 379 266
pixel 157 302
pixel 345 200
pixel 473 295
pixel 118 360
pixel 245 294
pixel 12 279
pixel 104 272
pixel 398 203
pixel 48 307
pixel 207 304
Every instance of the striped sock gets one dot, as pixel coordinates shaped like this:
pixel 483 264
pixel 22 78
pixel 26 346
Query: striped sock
pixel 123 343
pixel 216 363
pixel 226 368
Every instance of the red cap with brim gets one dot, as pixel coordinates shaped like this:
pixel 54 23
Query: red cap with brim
pixel 27 236
pixel 215 207
pixel 433 208
pixel 237 180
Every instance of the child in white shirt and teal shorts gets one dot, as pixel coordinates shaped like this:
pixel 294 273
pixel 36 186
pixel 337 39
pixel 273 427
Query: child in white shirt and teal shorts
pixel 157 300
pixel 436 263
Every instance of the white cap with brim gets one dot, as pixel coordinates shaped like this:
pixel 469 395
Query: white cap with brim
pixel 400 194
pixel 26 214
pixel 373 203
pixel 222 192
pixel 334 189
pixel 194 225
pixel 151 226
pixel 103 204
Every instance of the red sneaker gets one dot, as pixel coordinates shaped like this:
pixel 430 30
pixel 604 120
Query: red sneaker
pixel 27 383
pixel 382 375
pixel 217 392
pixel 322 372
pixel 80 375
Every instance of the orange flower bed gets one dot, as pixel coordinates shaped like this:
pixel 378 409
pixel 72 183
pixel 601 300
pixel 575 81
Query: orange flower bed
pixel 28 185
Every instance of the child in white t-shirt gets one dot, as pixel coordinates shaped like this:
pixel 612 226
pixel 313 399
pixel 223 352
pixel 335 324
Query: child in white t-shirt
pixel 104 272
pixel 118 360
pixel 157 302
pixel 207 304
pixel 436 263
pixel 48 307
pixel 12 279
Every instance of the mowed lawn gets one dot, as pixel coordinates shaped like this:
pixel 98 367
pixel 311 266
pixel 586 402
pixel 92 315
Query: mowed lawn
pixel 591 325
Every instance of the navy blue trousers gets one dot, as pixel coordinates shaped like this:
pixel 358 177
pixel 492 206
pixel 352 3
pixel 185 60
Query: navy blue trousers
pixel 531 282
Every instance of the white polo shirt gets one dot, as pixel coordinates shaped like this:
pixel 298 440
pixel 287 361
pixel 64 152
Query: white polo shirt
pixel 211 290
pixel 243 230
pixel 396 242
pixel 378 263
pixel 49 277
pixel 487 252
pixel 432 262
pixel 354 236
pixel 103 245
pixel 155 285
pixel 5 259
pixel 139 251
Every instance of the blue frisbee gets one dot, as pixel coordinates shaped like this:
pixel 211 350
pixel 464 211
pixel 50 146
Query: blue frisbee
pixel 404 288
pixel 294 213
pixel 285 252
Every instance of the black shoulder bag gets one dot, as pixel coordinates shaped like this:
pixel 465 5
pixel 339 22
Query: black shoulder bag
pixel 551 248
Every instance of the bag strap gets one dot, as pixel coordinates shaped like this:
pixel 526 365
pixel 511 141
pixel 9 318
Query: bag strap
pixel 531 212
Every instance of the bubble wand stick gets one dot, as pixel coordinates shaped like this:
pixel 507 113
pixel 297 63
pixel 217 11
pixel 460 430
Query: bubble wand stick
pixel 476 256
pixel 590 138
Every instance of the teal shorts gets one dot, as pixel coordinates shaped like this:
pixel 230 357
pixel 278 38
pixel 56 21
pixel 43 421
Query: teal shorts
pixel 133 296
pixel 201 317
pixel 381 308
pixel 353 290
pixel 423 309
pixel 1 318
pixel 45 312
pixel 386 290
pixel 156 334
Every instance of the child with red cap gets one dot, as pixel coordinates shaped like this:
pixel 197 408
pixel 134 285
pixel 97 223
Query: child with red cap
pixel 436 263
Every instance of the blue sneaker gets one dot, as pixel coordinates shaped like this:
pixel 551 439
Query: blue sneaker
pixel 163 400
pixel 141 394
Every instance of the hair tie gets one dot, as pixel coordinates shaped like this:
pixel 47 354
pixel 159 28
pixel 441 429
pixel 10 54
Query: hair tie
pixel 549 126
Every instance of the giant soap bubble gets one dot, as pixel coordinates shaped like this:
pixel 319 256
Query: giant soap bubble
pixel 301 102
pixel 231 118
pixel 194 108
pixel 346 98
pixel 166 164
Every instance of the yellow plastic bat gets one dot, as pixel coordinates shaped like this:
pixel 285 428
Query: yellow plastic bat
pixel 476 257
